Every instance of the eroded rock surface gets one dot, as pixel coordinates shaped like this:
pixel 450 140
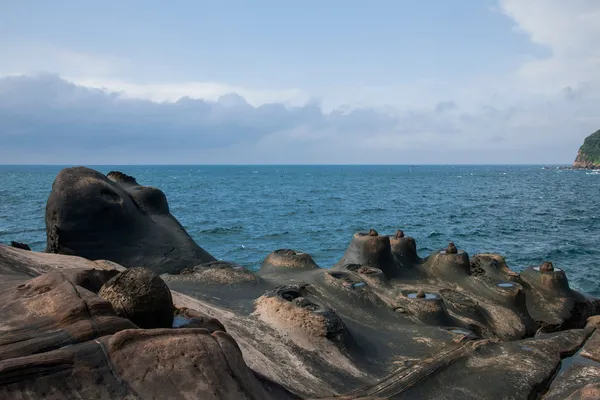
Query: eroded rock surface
pixel 140 296
pixel 60 340
pixel 383 322
pixel 114 218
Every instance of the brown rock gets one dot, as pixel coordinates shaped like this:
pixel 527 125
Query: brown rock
pixel 140 296
pixel 451 249
pixel 546 266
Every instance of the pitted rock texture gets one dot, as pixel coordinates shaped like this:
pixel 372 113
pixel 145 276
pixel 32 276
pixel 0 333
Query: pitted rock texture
pixel 59 340
pixel 140 296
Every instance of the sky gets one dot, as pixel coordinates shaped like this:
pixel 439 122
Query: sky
pixel 311 82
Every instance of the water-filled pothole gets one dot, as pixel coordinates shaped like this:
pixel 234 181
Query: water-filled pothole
pixel 347 280
pixel 555 269
pixel 179 321
pixel 575 359
pixel 505 284
pixel 428 296
pixel 459 331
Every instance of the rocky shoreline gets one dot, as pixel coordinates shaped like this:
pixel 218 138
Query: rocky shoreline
pixel 125 305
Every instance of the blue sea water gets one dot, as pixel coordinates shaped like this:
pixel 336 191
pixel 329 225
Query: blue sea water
pixel 241 213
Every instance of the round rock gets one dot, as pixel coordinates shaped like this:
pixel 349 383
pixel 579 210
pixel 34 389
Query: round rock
pixel 546 266
pixel 451 249
pixel 141 296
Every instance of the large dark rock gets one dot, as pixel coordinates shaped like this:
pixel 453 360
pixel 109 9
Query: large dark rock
pixel 141 296
pixel 113 218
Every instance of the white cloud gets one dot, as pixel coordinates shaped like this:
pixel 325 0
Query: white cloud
pixel 47 119
pixel 195 90
pixel 570 30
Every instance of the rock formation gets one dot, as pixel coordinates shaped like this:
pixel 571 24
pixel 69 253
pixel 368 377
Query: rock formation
pixel 381 323
pixel 588 156
pixel 140 296
pixel 113 218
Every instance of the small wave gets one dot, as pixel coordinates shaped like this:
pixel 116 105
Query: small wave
pixel 572 251
pixel 221 230
pixel 273 235
pixel 376 209
pixel 434 234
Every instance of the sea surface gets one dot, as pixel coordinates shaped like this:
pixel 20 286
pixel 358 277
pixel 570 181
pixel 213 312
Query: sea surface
pixel 242 213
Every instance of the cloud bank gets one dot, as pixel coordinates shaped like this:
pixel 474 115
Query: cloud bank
pixel 46 119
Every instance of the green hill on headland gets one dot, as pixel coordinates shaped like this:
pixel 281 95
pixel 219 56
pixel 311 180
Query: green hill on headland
pixel 588 156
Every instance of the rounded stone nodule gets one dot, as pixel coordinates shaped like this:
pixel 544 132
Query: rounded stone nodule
pixel 546 266
pixel 422 295
pixel 288 259
pixel 399 234
pixel 373 232
pixel 451 249
pixel 141 296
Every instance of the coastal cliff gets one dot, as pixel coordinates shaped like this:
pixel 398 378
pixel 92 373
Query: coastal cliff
pixel 588 156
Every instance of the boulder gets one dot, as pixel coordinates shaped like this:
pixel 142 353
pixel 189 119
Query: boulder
pixel 141 296
pixel 114 218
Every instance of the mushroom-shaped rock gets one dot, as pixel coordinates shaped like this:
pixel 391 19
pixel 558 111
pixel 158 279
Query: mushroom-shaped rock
pixel 420 294
pixel 404 249
pixel 141 296
pixel 372 250
pixel 373 232
pixel 114 218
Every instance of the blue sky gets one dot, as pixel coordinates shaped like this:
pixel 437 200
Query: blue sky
pixel 502 81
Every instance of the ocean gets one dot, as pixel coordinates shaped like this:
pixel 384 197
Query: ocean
pixel 242 213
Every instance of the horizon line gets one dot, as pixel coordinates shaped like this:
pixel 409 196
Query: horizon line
pixel 279 165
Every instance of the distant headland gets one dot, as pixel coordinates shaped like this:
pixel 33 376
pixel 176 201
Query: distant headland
pixel 588 156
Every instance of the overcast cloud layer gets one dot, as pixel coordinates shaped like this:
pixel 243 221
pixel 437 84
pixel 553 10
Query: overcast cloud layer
pixel 84 112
